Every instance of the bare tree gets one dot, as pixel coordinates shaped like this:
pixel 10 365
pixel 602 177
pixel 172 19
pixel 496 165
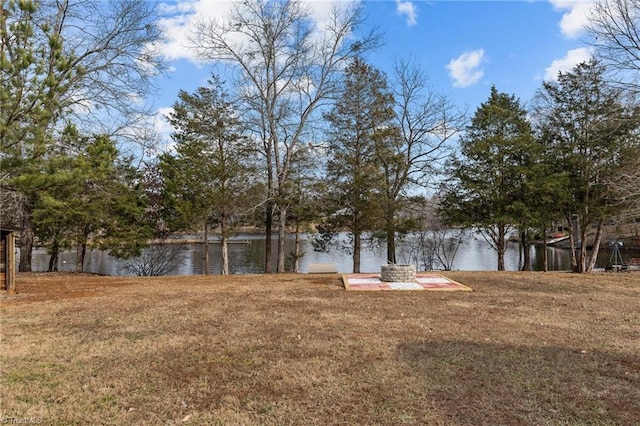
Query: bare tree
pixel 285 69
pixel 433 245
pixel 157 260
pixel 427 121
pixel 625 191
pixel 614 26
pixel 435 248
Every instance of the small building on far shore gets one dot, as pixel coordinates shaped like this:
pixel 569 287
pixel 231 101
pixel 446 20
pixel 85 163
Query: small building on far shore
pixel 7 258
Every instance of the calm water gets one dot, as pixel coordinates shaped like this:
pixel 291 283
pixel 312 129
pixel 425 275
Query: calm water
pixel 247 256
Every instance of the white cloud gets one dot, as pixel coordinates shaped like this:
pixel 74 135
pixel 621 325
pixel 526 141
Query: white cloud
pixel 466 69
pixel 321 11
pixel 409 9
pixel 571 59
pixel 163 127
pixel 576 18
pixel 179 21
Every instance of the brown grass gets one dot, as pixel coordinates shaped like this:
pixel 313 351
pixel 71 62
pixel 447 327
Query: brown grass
pixel 522 349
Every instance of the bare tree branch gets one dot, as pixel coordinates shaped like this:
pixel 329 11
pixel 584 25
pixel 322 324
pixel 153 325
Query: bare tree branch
pixel 428 122
pixel 614 26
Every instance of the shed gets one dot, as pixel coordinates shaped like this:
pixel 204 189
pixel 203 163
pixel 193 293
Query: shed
pixel 7 258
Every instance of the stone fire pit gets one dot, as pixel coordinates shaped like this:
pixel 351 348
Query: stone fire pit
pixel 398 273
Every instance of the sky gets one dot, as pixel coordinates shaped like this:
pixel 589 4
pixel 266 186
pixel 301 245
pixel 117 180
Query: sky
pixel 464 46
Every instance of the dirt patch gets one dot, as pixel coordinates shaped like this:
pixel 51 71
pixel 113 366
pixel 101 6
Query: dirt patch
pixel 38 287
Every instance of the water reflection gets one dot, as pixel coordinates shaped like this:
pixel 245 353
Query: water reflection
pixel 247 253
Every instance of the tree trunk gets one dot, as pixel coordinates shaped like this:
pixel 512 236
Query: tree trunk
pixel 524 241
pixel 545 255
pixel 582 254
pixel 225 255
pixel 81 251
pixel 225 248
pixel 426 252
pixel 270 205
pixel 282 235
pixel 390 230
pixel 268 228
pixel 573 224
pixel 391 245
pixel 596 246
pixel 206 248
pixel 296 255
pixel 500 246
pixel 26 241
pixel 53 260
pixel 357 240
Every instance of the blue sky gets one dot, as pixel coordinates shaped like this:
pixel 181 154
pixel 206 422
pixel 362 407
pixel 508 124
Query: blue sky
pixel 464 46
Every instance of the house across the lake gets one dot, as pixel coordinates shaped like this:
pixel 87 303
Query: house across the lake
pixel 7 258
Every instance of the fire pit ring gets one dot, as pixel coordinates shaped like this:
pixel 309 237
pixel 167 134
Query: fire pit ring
pixel 398 273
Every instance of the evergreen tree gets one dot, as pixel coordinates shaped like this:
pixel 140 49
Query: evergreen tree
pixel 87 196
pixel 360 130
pixel 207 179
pixel 34 76
pixel 592 136
pixel 542 192
pixel 305 189
pixel 486 185
pixel 60 60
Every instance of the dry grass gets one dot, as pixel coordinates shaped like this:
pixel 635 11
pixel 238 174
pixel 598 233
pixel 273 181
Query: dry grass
pixel 523 348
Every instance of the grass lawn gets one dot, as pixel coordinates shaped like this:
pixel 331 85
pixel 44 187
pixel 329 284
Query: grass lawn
pixel 521 349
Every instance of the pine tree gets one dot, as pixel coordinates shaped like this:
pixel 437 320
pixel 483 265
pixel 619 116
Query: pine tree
pixel 359 132
pixel 592 136
pixel 50 70
pixel 486 186
pixel 207 180
pixel 34 75
pixel 86 195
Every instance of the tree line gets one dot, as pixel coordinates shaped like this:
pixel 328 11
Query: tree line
pixel 522 170
pixel 305 131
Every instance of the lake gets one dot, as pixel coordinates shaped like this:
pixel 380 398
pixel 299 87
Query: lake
pixel 247 252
